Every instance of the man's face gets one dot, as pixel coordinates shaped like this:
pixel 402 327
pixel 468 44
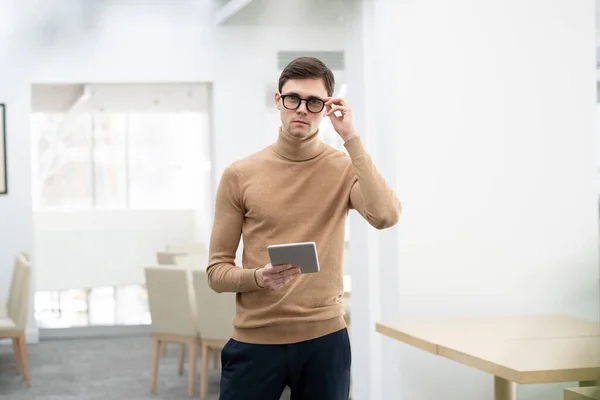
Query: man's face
pixel 303 119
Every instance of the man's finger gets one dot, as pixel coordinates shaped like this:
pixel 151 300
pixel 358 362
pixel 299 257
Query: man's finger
pixel 338 100
pixel 285 278
pixel 290 272
pixel 334 108
pixel 280 268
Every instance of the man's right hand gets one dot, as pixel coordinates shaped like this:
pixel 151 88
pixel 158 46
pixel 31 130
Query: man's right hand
pixel 274 277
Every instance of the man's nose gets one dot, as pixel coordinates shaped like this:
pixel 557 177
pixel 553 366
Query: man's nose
pixel 302 108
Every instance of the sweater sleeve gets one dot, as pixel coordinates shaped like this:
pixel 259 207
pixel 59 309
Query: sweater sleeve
pixel 223 274
pixel 370 195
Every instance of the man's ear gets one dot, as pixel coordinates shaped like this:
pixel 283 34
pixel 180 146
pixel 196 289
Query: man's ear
pixel 277 97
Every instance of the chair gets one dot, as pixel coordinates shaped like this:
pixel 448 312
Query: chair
pixel 5 305
pixel 167 257
pixel 215 313
pixel 192 261
pixel 172 310
pixel 14 325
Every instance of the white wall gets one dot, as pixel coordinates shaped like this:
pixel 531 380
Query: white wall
pixel 104 248
pixel 493 107
pixel 597 22
pixel 16 224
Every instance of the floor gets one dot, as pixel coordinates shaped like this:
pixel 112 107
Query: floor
pixel 97 369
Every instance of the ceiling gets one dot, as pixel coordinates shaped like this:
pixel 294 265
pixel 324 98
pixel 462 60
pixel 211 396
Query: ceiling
pixel 292 12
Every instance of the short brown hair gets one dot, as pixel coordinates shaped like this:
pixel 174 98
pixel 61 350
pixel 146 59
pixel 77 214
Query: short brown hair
pixel 308 68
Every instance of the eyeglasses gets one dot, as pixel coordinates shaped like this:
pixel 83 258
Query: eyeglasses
pixel 292 102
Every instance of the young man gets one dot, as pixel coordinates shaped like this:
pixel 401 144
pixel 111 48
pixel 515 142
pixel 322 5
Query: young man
pixel 289 329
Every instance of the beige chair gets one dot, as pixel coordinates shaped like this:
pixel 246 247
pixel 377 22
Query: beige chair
pixel 215 313
pixel 172 310
pixel 14 325
pixel 5 305
pixel 167 257
pixel 192 261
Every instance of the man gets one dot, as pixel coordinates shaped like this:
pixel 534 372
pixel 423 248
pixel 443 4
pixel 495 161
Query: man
pixel 289 329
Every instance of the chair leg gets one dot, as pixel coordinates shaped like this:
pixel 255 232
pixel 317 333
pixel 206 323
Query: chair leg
pixel 181 359
pixel 17 353
pixel 192 369
pixel 24 358
pixel 204 372
pixel 156 349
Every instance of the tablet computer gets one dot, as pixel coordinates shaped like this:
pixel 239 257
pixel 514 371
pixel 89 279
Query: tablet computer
pixel 300 255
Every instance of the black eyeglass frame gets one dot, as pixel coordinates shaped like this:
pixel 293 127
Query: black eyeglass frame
pixel 284 96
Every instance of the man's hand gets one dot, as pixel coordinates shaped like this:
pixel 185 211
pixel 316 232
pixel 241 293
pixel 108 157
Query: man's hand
pixel 275 277
pixel 344 124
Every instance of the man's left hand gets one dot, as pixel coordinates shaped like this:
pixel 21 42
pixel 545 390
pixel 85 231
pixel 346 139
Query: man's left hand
pixel 344 124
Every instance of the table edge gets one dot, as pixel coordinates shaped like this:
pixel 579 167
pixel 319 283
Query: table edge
pixel 414 341
pixel 502 371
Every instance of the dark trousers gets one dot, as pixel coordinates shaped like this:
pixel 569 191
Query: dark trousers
pixel 315 369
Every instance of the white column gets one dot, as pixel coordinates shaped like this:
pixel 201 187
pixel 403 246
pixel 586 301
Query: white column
pixel 366 360
pixel 491 105
pixel 383 120
pixel 372 257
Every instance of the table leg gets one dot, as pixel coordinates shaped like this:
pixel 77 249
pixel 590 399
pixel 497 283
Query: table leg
pixel 504 389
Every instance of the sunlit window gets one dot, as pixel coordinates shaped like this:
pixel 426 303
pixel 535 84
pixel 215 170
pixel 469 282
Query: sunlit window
pixel 102 306
pixel 117 160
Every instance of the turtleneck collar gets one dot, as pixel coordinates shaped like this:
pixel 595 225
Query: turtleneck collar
pixel 296 149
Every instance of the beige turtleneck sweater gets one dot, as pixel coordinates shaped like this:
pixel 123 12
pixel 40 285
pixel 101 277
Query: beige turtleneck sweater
pixel 292 191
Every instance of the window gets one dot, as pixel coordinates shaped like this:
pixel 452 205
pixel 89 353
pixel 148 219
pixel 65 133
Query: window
pixel 64 309
pixel 62 163
pixel 164 158
pixel 132 307
pixel 102 306
pixel 110 160
pixel 117 160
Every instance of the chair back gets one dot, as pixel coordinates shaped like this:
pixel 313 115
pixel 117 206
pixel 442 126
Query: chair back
pixel 215 310
pixel 192 261
pixel 172 309
pixel 12 289
pixel 166 257
pixel 18 307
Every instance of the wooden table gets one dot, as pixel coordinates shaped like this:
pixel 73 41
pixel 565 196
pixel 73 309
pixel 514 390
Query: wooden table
pixel 515 349
pixel 582 393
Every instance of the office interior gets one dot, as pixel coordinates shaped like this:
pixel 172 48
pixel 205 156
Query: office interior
pixel 121 115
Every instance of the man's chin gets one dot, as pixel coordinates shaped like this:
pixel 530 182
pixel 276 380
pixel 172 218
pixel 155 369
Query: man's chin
pixel 300 132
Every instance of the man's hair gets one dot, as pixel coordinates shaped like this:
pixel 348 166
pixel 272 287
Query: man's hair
pixel 308 68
